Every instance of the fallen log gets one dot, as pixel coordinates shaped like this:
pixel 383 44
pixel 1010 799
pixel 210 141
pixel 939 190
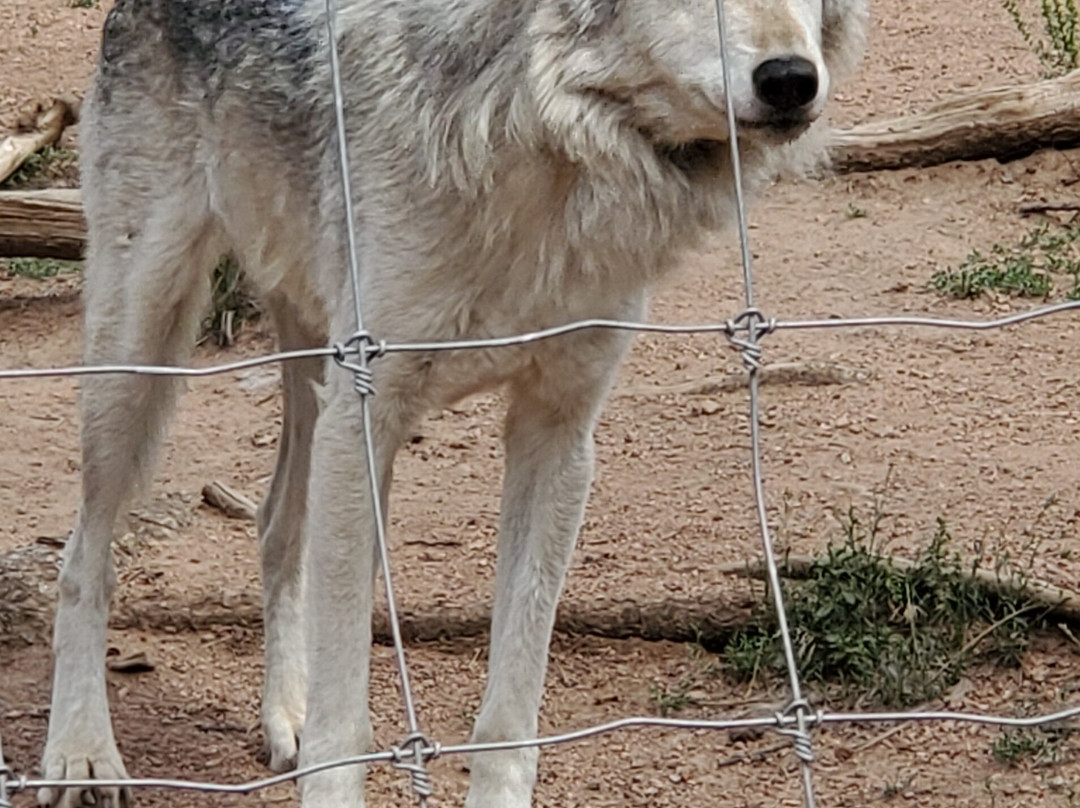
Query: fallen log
pixel 42 224
pixel 28 594
pixel 27 602
pixel 710 621
pixel 46 129
pixel 1004 123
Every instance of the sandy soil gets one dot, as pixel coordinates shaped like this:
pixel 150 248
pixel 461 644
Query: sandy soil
pixel 980 429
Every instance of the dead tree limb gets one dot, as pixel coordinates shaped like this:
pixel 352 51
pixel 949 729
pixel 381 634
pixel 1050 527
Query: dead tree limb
pixel 47 128
pixel 1006 123
pixel 27 595
pixel 229 501
pixel 677 620
pixel 42 224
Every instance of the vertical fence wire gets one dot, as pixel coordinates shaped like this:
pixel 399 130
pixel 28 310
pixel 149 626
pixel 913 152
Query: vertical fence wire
pixel 5 773
pixel 751 354
pixel 414 743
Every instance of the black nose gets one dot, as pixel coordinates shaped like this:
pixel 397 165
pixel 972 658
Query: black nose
pixel 787 83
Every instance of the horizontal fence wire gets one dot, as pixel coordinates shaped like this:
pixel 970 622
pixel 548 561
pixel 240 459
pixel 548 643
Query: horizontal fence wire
pixel 779 721
pixel 730 328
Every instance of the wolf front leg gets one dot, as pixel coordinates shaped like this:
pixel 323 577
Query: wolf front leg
pixel 144 292
pixel 549 462
pixel 340 568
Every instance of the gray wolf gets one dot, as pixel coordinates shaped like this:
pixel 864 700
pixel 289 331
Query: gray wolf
pixel 516 164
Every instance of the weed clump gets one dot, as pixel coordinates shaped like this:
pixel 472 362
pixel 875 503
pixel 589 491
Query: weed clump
pixel 1031 268
pixel 1056 46
pixel 897 637
pixel 37 268
pixel 231 303
pixel 51 166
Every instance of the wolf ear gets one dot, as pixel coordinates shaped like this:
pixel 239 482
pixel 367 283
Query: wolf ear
pixel 843 33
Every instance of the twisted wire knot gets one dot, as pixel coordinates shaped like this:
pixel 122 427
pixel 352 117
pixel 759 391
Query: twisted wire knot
pixel 363 346
pixel 411 756
pixel 9 783
pixel 798 710
pixel 744 332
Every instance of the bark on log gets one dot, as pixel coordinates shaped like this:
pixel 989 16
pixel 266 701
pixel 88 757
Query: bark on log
pixel 47 128
pixel 677 620
pixel 28 595
pixel 42 224
pixel 1006 123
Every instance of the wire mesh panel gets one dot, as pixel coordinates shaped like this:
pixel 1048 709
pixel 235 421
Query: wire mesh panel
pixel 745 331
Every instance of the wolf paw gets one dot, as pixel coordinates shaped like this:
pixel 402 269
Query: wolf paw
pixel 281 730
pixel 98 760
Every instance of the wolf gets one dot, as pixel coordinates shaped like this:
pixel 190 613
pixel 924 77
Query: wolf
pixel 515 164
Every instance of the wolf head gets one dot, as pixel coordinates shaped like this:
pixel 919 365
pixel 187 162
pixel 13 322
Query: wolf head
pixel 602 66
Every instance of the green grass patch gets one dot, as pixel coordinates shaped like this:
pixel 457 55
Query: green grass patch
pixel 1043 745
pixel 1044 262
pixel 232 303
pixel 703 668
pixel 1056 43
pixel 37 268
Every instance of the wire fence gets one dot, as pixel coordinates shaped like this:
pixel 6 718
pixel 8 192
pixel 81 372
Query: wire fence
pixel 744 332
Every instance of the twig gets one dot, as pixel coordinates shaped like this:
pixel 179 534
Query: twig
pixel 877 739
pixel 1043 207
pixel 229 501
pixel 754 757
pixel 1068 633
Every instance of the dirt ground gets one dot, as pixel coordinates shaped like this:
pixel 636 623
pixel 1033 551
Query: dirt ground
pixel 979 429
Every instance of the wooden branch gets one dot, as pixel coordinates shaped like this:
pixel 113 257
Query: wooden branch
pixel 42 224
pixel 27 602
pixel 229 501
pixel 47 128
pixel 1006 123
pixel 28 594
pixel 808 374
pixel 678 620
pixel 1028 208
